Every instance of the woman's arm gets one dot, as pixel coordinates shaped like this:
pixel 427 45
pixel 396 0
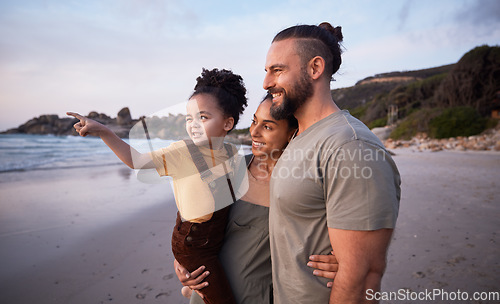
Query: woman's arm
pixel 326 266
pixel 193 280
pixel 128 155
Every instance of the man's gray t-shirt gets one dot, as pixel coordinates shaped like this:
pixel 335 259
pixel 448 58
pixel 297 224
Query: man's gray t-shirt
pixel 335 174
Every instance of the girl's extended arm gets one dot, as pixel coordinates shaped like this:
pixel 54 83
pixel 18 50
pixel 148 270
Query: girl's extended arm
pixel 128 155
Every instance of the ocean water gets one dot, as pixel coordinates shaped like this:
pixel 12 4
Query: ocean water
pixel 22 152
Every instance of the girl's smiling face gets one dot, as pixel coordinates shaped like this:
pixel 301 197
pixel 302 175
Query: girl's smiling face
pixel 206 124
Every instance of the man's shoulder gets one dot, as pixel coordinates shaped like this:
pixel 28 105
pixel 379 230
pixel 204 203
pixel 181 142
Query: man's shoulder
pixel 342 128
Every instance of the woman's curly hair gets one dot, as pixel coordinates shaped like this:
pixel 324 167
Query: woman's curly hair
pixel 227 88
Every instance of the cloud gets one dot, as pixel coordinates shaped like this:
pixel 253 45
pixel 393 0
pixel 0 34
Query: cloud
pixel 158 17
pixel 146 54
pixel 403 13
pixel 485 12
pixel 54 59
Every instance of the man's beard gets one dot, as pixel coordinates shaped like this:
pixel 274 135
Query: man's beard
pixel 292 100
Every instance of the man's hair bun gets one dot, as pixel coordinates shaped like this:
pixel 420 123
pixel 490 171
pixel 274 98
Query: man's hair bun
pixel 336 31
pixel 316 40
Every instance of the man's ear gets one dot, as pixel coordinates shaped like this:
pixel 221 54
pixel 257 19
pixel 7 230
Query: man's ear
pixel 316 67
pixel 228 124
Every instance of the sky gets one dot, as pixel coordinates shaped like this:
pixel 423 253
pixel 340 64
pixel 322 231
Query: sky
pixel 102 55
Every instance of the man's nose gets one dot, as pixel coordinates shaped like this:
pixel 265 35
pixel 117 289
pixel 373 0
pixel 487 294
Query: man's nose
pixel 268 81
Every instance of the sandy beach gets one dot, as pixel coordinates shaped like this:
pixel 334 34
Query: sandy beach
pixel 98 235
pixel 94 235
pixel 447 232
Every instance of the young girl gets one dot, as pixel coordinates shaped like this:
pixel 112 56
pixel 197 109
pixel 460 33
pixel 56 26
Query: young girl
pixel 207 174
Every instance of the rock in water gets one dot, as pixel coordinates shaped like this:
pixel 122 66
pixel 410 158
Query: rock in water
pixel 124 117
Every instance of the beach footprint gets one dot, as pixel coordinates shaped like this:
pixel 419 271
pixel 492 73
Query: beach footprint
pixel 162 295
pixel 140 296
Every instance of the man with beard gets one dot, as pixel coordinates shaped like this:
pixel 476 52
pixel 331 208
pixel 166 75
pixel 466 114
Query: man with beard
pixel 335 185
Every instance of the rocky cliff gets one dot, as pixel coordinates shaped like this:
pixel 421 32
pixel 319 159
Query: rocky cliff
pixel 45 124
pixel 121 124
pixel 167 127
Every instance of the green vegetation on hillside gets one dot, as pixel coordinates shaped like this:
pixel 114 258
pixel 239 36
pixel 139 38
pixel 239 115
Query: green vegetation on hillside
pixel 453 100
pixel 416 122
pixel 474 82
pixel 458 121
pixel 420 74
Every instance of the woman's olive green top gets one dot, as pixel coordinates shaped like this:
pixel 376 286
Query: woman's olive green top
pixel 246 255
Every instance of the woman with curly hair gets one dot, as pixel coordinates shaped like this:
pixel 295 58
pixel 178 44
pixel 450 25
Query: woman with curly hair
pixel 206 173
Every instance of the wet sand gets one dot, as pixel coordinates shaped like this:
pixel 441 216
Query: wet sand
pixel 98 235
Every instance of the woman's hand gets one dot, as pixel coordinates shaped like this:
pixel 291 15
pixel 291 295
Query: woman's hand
pixel 193 280
pixel 326 266
pixel 87 126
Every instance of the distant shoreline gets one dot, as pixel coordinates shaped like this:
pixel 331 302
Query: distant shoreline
pixel 170 127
